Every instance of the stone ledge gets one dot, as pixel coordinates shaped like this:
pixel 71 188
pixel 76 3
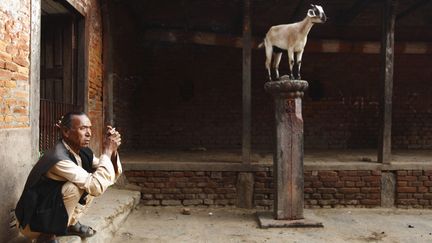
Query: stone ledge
pixel 308 166
pixel 106 215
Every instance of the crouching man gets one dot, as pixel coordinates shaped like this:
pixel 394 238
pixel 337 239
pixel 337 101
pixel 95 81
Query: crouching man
pixel 64 181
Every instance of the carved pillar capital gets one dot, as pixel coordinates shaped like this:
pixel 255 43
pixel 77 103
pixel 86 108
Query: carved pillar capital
pixel 286 88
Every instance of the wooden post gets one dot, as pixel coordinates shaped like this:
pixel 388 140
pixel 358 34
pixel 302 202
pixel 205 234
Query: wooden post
pixel 247 36
pixel 387 57
pixel 288 157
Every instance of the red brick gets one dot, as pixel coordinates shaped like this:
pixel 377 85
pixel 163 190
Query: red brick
pixel 372 178
pixel 19 76
pixel 402 183
pixel 417 172
pixel 327 190
pixel 351 178
pixel 5 74
pixel 363 173
pixel 376 202
pixel 406 201
pixel 349 190
pixel 22 61
pixel 406 189
pixel 11 66
pixel 401 173
pixel 370 189
pixel 407 178
pixel 5 56
pixel 415 183
pixel 326 173
pixel 328 179
pixel 376 172
pixel 422 189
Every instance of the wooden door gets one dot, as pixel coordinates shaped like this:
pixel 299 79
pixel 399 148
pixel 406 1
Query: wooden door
pixel 59 86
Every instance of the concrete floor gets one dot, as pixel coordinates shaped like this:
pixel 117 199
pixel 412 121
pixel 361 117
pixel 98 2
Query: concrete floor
pixel 168 224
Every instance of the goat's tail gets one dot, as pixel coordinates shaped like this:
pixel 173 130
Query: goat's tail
pixel 261 45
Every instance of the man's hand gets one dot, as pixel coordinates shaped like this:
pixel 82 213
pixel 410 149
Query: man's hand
pixel 112 141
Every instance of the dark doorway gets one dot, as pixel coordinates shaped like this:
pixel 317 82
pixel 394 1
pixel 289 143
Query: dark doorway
pixel 61 84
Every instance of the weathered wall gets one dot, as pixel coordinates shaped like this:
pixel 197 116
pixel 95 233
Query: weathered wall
pixel 190 95
pixel 15 164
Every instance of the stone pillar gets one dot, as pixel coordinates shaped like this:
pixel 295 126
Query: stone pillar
pixel 288 157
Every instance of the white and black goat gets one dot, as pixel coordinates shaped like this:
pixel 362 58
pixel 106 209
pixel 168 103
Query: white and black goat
pixel 292 38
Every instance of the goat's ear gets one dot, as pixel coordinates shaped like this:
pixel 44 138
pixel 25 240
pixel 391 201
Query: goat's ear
pixel 311 13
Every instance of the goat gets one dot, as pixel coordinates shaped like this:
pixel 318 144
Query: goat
pixel 292 38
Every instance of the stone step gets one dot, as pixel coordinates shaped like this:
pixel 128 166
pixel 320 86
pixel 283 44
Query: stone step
pixel 105 215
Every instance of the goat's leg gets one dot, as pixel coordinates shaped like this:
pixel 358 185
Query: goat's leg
pixel 269 53
pixel 291 63
pixel 299 56
pixel 276 61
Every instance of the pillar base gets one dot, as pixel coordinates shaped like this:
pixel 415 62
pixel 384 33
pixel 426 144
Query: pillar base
pixel 266 220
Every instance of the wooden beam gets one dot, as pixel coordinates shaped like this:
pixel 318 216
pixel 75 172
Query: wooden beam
pixel 200 38
pixel 313 46
pixel 247 51
pixel 411 9
pixel 387 58
pixel 345 17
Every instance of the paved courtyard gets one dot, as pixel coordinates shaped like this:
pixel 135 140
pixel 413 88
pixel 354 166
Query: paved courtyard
pixel 169 224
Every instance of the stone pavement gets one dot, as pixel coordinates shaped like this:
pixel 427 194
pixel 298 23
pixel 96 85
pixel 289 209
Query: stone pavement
pixel 168 224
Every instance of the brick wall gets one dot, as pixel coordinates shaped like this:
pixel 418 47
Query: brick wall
pixel 95 66
pixel 414 189
pixel 326 189
pixel 14 64
pixel 322 189
pixel 190 95
pixel 185 188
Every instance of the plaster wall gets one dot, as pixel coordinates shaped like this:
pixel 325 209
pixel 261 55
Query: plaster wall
pixel 15 164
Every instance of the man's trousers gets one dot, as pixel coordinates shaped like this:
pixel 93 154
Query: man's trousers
pixel 71 196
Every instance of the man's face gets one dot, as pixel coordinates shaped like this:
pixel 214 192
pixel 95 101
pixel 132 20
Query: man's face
pixel 78 136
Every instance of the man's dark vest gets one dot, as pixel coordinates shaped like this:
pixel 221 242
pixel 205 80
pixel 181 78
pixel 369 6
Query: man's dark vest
pixel 41 203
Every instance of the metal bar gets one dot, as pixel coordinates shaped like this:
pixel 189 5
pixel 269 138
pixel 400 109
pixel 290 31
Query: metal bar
pixel 247 36
pixel 50 112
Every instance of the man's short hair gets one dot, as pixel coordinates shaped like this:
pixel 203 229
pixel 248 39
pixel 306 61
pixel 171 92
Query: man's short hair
pixel 66 120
